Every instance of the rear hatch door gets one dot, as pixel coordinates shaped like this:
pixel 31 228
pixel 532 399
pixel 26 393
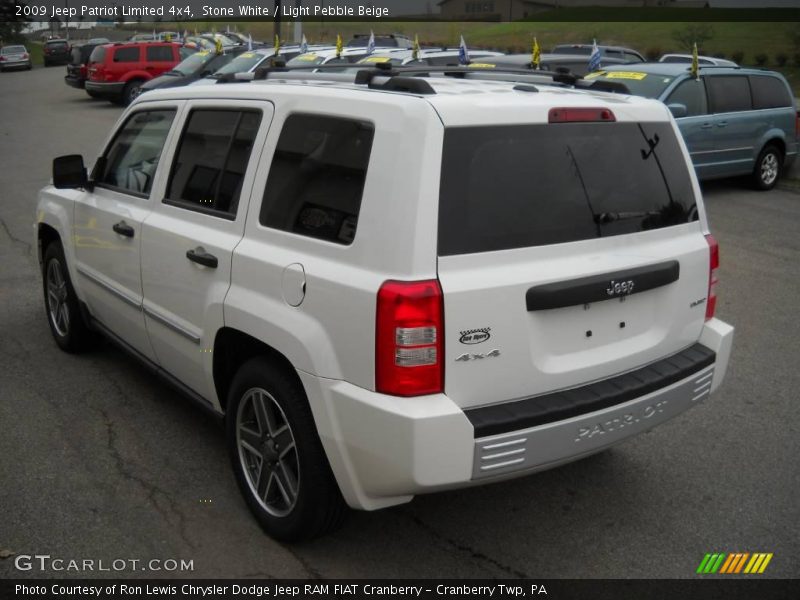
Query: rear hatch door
pixel 568 253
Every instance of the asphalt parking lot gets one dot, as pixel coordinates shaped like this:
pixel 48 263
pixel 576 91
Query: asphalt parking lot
pixel 99 460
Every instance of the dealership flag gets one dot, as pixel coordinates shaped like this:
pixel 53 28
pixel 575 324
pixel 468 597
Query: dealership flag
pixel 463 53
pixel 249 41
pixel 695 63
pixel 537 54
pixel 339 45
pixel 594 57
pixel 217 45
pixel 277 45
pixel 371 43
pixel 415 51
pixel 304 45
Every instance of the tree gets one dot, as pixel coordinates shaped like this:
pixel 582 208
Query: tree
pixel 696 33
pixel 11 25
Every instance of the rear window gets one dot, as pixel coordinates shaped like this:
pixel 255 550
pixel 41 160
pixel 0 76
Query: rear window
pixel 13 50
pixel 98 54
pixel 531 185
pixel 769 92
pixel 56 45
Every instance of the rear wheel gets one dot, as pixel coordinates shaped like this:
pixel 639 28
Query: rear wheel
pixel 131 91
pixel 63 310
pixel 768 168
pixel 278 459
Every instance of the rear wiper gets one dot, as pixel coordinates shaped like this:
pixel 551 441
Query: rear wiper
pixel 610 217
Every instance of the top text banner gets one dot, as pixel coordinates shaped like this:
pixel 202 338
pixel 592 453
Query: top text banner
pixel 187 10
pixel 137 11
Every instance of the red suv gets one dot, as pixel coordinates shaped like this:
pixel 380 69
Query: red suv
pixel 116 71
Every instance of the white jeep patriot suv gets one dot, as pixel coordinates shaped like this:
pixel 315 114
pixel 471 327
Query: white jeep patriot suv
pixel 393 285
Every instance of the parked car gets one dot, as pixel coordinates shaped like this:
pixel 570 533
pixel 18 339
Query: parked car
pixel 735 121
pixel 249 61
pixel 197 66
pixel 77 68
pixel 348 56
pixel 383 40
pixel 574 63
pixel 623 55
pixel 117 71
pixel 436 57
pixel 706 61
pixel 15 57
pixel 372 323
pixel 56 52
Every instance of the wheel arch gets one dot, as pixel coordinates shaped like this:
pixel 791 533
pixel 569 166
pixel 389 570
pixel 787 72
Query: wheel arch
pixel 45 235
pixel 232 348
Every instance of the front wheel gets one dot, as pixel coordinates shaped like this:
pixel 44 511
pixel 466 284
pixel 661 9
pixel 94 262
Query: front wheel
pixel 63 311
pixel 278 459
pixel 768 168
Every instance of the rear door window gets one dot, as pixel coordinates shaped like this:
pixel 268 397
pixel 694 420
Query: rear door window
pixel 160 54
pixel 130 54
pixel 531 185
pixel 317 177
pixel 692 94
pixel 729 93
pixel 211 160
pixel 769 92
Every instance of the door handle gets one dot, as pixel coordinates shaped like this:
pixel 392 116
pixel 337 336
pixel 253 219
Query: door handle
pixel 201 257
pixel 123 228
pixel 706 126
pixel 722 123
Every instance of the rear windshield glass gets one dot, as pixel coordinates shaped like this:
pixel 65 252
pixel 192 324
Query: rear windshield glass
pixel 98 54
pixel 242 63
pixel 532 185
pixel 194 63
pixel 57 45
pixel 647 85
pixel 13 50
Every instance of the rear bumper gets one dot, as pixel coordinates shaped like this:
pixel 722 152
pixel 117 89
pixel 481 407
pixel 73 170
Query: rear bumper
pixel 76 82
pixel 105 90
pixel 15 64
pixel 384 449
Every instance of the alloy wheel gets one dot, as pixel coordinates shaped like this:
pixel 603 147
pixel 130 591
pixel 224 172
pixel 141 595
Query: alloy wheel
pixel 57 307
pixel 769 168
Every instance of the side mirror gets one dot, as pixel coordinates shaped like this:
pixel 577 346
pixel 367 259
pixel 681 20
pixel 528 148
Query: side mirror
pixel 678 110
pixel 69 172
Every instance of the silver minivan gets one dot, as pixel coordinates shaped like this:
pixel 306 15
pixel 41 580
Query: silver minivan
pixel 735 121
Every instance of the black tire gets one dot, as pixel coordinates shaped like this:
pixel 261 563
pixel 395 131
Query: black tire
pixel 61 303
pixel 768 168
pixel 317 506
pixel 130 91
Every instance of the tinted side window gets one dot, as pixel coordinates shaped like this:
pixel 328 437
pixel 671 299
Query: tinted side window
pixel 729 93
pixel 631 57
pixel 160 53
pixel 317 177
pixel 516 186
pixel 692 93
pixel 212 159
pixel 126 54
pixel 131 161
pixel 769 92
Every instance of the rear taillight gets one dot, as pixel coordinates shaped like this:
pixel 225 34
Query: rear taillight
pixel 24 56
pixel 580 115
pixel 711 303
pixel 2 59
pixel 409 348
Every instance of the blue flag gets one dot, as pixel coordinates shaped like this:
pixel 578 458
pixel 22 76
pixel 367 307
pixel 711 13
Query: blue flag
pixel 304 45
pixel 594 58
pixel 371 43
pixel 463 53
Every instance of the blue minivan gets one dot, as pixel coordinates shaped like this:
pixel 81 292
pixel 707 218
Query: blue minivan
pixel 735 121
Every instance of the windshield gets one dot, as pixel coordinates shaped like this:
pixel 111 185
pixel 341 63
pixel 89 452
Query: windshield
pixel 518 186
pixel 307 59
pixel 647 85
pixel 13 50
pixel 242 63
pixel 194 63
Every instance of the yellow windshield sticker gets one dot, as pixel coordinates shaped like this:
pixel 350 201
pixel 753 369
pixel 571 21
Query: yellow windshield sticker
pixel 202 53
pixel 593 75
pixel 307 57
pixel 625 75
pixel 375 59
pixel 481 66
pixel 249 55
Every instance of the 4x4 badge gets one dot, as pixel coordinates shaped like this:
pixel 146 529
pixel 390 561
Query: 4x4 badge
pixel 475 336
pixel 477 356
